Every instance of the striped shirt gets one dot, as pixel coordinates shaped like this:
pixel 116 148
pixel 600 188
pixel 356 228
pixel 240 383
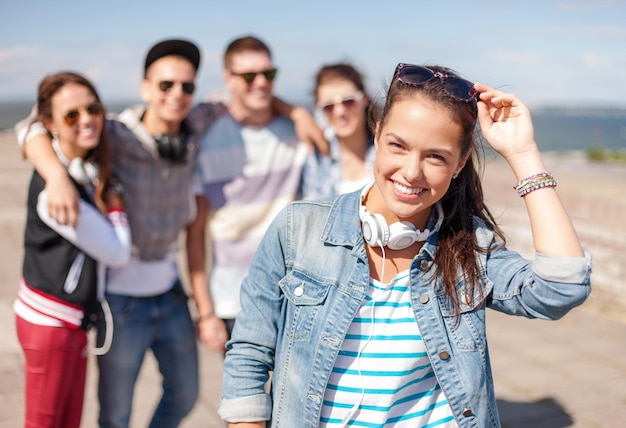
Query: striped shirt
pixel 383 368
pixel 247 174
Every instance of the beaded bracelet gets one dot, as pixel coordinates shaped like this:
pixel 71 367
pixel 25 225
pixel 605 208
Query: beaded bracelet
pixel 544 174
pixel 535 182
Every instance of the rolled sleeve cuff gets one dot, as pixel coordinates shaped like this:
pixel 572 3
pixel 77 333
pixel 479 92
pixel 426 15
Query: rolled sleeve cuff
pixel 254 408
pixel 574 270
pixel 29 128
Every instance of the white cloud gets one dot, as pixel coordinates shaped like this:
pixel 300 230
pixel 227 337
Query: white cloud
pixel 515 56
pixel 611 32
pixel 22 67
pixel 114 69
pixel 16 52
pixel 594 60
pixel 586 6
pixel 14 58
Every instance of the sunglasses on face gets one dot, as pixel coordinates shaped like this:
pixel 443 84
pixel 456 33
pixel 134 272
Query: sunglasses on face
pixel 166 85
pixel 457 88
pixel 349 102
pixel 71 117
pixel 249 77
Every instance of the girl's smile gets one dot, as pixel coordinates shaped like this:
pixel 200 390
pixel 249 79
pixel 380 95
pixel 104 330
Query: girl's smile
pixel 418 152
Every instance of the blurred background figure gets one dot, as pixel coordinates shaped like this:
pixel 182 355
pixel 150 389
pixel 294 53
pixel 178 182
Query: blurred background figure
pixel 62 286
pixel 342 106
pixel 249 167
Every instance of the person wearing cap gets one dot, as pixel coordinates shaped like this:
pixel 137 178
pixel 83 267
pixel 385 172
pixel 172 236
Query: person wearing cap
pixel 154 151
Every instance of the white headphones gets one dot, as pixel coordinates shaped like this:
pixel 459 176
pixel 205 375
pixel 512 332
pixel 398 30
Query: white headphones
pixel 398 235
pixel 83 172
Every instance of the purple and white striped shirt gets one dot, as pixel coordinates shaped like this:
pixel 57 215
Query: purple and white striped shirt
pixel 247 174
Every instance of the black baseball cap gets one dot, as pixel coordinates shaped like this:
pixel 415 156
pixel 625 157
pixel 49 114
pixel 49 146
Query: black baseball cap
pixel 178 47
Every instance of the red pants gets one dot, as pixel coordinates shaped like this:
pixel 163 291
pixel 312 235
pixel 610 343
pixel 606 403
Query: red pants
pixel 56 366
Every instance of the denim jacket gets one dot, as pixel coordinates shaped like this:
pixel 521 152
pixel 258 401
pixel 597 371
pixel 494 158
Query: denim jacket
pixel 308 280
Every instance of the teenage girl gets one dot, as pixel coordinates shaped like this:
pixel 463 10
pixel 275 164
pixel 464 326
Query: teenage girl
pixel 342 106
pixel 61 293
pixel 369 309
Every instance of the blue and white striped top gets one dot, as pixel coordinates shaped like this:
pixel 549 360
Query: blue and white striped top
pixel 383 368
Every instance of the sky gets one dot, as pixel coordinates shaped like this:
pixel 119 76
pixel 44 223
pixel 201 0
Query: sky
pixel 548 52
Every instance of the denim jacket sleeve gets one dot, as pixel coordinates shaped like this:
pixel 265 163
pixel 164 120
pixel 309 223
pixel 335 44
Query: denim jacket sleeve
pixel 547 287
pixel 250 355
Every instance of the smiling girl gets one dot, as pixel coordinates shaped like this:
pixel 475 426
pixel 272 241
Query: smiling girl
pixel 370 309
pixel 342 108
pixel 64 267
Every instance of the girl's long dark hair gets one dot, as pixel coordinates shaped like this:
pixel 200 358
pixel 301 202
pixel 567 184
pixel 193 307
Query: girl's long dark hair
pixel 457 248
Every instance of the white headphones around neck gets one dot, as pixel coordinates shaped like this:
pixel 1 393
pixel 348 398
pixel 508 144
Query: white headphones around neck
pixel 398 235
pixel 83 172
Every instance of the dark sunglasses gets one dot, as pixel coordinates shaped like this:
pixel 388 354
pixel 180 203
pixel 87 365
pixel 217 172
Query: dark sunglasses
pixel 249 77
pixel 457 88
pixel 166 85
pixel 349 102
pixel 71 117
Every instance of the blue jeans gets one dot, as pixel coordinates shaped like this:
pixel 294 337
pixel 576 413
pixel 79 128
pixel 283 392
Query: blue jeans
pixel 161 323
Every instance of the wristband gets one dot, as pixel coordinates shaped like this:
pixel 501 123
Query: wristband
pixel 535 182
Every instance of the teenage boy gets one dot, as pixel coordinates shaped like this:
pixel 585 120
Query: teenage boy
pixel 250 166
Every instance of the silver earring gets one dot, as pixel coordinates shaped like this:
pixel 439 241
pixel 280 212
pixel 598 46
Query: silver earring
pixel 455 176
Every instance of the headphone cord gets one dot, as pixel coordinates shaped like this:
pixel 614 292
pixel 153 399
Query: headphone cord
pixel 354 408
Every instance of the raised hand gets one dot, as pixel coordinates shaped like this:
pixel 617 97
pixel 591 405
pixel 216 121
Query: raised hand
pixel 505 123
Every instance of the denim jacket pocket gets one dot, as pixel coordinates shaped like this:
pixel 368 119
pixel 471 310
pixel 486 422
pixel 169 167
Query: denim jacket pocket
pixel 305 297
pixel 467 326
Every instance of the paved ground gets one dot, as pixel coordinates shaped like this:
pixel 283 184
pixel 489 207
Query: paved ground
pixel 570 373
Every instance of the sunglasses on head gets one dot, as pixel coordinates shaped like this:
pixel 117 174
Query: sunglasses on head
pixel 249 77
pixel 71 117
pixel 166 85
pixel 457 88
pixel 348 102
